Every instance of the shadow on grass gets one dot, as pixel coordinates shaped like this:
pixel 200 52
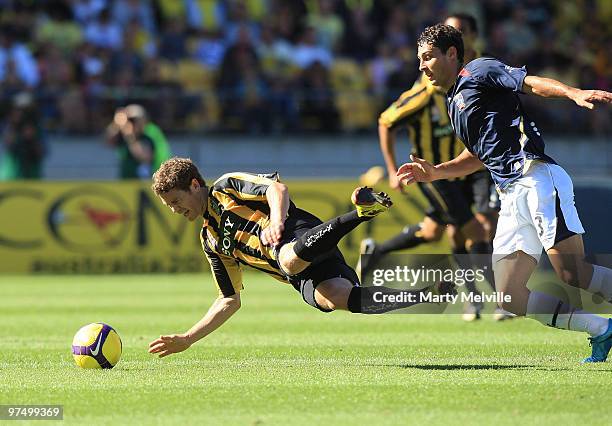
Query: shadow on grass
pixel 468 366
pixel 495 367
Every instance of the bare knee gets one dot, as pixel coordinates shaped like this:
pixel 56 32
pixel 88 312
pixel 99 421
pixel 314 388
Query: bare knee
pixel 333 294
pixel 289 262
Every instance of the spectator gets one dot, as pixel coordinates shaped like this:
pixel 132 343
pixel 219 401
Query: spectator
pixel 317 109
pixel 243 88
pixel 85 11
pixel 239 22
pixel 383 65
pixel 23 140
pixel 208 49
pixel 19 55
pixel 207 16
pixel 328 26
pixel 59 29
pixel 81 57
pixel 131 54
pixel 307 52
pixel 126 11
pixel 56 76
pixel 405 75
pixel 104 32
pixel 359 40
pixel 165 92
pixel 173 42
pixel 520 38
pixel 395 32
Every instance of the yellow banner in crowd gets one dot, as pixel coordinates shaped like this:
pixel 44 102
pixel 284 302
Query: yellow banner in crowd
pixel 121 227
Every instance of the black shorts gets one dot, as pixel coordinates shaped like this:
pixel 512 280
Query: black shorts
pixel 448 202
pixel 326 266
pixel 479 188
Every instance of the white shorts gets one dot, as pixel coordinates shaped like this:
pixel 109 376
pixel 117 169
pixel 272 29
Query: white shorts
pixel 537 211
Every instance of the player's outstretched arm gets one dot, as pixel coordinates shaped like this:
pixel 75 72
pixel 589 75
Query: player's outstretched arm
pixel 549 88
pixel 220 311
pixel 422 171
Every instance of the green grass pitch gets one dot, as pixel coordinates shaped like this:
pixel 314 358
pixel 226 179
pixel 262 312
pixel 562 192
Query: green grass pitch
pixel 280 362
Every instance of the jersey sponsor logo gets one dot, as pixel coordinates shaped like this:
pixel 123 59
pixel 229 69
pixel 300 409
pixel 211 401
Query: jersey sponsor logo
pixel 228 242
pixel 459 101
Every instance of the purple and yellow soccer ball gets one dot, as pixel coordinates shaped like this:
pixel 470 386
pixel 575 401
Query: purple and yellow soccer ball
pixel 96 345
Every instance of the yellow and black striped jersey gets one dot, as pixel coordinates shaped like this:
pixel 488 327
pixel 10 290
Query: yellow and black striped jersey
pixel 236 213
pixel 422 109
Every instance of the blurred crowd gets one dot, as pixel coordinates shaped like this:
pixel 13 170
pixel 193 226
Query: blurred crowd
pixel 273 66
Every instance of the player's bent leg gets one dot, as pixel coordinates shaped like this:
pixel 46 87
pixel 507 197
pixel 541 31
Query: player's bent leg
pixel 511 275
pixel 333 294
pixel 567 259
pixel 289 262
pixel 326 236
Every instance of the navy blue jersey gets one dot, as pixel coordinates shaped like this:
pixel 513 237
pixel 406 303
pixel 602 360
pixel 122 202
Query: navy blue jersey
pixel 487 115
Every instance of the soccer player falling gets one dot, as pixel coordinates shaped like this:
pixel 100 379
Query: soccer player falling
pixel 250 220
pixel 537 199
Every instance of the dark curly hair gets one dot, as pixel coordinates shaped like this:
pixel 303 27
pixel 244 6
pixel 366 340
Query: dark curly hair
pixel 442 36
pixel 175 173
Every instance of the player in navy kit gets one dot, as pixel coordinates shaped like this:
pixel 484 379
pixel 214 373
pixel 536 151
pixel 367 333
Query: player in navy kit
pixel 537 200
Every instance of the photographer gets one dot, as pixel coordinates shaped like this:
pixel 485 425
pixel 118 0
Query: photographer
pixel 135 148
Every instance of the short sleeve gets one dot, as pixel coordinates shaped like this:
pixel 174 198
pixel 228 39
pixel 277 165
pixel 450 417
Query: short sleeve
pixel 246 186
pixel 497 75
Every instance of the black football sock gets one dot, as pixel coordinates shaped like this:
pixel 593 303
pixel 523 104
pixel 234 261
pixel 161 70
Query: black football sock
pixel 363 300
pixel 326 236
pixel 481 259
pixel 462 258
pixel 408 238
